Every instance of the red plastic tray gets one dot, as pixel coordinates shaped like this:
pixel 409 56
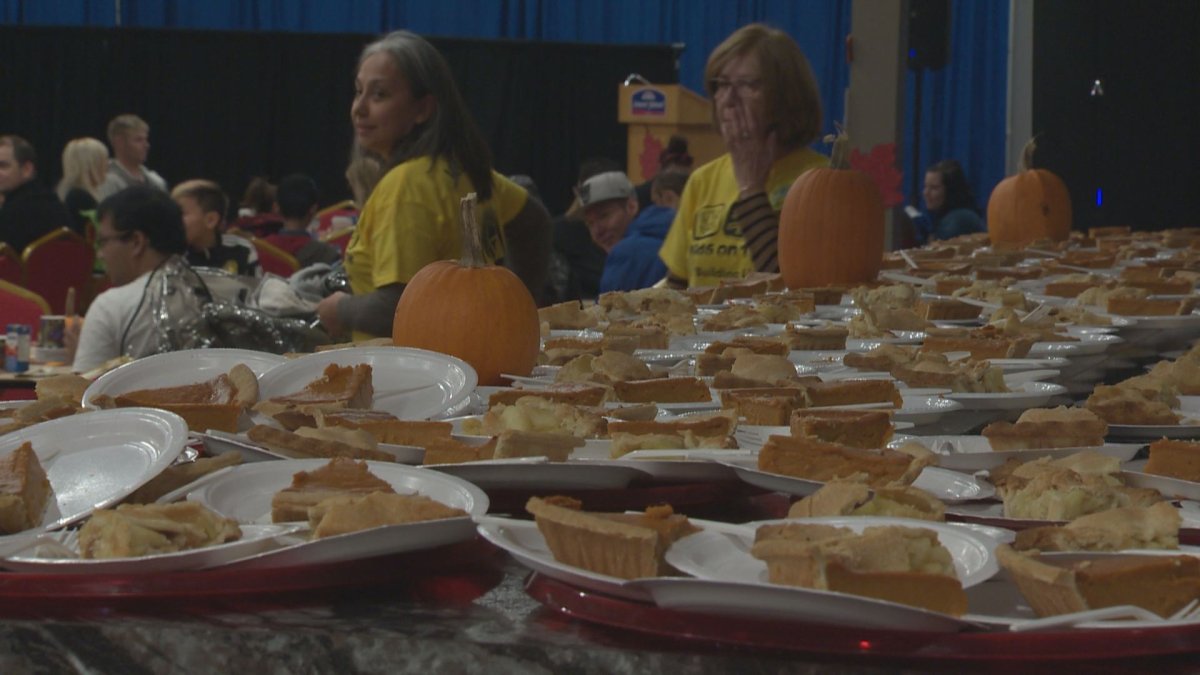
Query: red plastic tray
pixel 816 639
pixel 470 563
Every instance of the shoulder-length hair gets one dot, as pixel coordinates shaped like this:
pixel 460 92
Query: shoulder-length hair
pixel 84 162
pixel 449 134
pixel 954 181
pixel 793 102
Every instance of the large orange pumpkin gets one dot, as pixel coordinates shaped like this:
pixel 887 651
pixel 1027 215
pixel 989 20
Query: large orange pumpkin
pixel 1033 204
pixel 483 314
pixel 831 225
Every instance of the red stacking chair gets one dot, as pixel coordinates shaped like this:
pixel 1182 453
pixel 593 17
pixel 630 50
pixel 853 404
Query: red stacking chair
pixel 21 305
pixel 55 263
pixel 326 215
pixel 274 259
pixel 10 264
pixel 339 239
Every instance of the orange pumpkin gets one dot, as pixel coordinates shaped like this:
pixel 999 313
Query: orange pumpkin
pixel 1033 204
pixel 831 225
pixel 481 313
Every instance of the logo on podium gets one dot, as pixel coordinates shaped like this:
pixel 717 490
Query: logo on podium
pixel 648 101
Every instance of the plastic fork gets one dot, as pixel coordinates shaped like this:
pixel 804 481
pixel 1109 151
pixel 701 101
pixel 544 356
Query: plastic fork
pixel 1185 613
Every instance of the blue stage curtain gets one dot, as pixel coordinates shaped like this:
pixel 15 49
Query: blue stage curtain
pixel 963 105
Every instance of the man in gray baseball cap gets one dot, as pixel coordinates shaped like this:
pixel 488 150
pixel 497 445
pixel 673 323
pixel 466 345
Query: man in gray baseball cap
pixel 609 204
pixel 629 237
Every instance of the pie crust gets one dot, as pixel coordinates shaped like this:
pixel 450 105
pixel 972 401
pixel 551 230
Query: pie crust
pixel 24 490
pixel 1130 527
pixel 897 564
pixel 355 512
pixel 1160 584
pixel 133 530
pixel 627 546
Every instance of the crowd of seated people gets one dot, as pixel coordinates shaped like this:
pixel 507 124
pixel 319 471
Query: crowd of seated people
pixel 122 215
pixel 417 153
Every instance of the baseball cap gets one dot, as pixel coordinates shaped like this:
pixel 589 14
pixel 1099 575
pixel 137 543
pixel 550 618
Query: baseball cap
pixel 605 186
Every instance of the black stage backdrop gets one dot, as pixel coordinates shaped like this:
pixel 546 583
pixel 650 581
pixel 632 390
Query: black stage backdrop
pixel 1138 143
pixel 231 105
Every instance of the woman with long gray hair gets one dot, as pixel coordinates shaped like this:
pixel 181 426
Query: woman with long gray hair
pixel 416 153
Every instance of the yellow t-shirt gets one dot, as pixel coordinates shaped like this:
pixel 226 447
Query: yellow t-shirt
pixel 702 246
pixel 412 219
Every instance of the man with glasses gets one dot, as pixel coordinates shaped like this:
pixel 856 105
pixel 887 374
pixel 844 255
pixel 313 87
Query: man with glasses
pixel 29 209
pixel 140 233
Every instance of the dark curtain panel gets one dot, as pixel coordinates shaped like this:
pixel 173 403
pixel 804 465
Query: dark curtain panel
pixel 232 105
pixel 963 104
pixel 1127 149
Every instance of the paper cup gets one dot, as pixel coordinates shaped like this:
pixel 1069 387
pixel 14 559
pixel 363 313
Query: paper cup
pixel 50 347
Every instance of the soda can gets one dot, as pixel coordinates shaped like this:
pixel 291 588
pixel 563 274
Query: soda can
pixel 16 348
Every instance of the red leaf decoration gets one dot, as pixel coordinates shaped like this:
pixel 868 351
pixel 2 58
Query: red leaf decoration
pixel 880 165
pixel 651 149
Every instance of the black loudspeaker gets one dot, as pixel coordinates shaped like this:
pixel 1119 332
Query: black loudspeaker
pixel 928 33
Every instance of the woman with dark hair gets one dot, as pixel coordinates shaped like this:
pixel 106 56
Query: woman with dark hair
pixel 766 104
pixel 950 202
pixel 417 152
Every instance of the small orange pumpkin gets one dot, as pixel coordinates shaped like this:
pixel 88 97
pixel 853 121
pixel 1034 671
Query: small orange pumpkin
pixel 481 313
pixel 1033 204
pixel 831 225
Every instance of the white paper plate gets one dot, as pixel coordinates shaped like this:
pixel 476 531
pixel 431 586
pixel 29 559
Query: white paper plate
pixel 1001 604
pixel 752 436
pixel 1023 396
pixel 764 600
pixel 245 493
pixel 174 369
pixel 220 442
pixel 724 554
pixel 1152 432
pixel 733 599
pixel 949 486
pixel 96 459
pixel 255 539
pixel 1172 488
pixel 1088 344
pixel 666 357
pixel 919 410
pixel 411 384
pixel 1171 324
pixel 676 466
pixel 538 474
pixel 524 542
pixel 974 453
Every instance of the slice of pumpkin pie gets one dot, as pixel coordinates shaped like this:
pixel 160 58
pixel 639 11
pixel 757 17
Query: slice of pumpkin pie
pixel 623 545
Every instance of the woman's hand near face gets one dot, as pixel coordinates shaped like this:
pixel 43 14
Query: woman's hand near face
pixel 751 148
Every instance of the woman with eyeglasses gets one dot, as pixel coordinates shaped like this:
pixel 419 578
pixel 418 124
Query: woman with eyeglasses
pixel 767 107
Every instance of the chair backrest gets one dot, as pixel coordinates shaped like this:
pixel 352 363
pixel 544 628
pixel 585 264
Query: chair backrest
pixel 56 262
pixel 274 259
pixel 10 264
pixel 21 305
pixel 326 216
pixel 339 238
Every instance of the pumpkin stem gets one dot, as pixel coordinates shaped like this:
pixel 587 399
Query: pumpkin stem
pixel 472 255
pixel 839 156
pixel 1027 155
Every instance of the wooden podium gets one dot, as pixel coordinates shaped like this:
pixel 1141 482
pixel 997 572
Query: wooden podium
pixel 654 113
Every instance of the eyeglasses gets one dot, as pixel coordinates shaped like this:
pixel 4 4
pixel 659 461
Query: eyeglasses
pixel 101 242
pixel 720 86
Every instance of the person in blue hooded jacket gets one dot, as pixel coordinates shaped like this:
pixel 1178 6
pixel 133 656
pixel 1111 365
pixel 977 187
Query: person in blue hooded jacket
pixel 949 202
pixel 629 235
